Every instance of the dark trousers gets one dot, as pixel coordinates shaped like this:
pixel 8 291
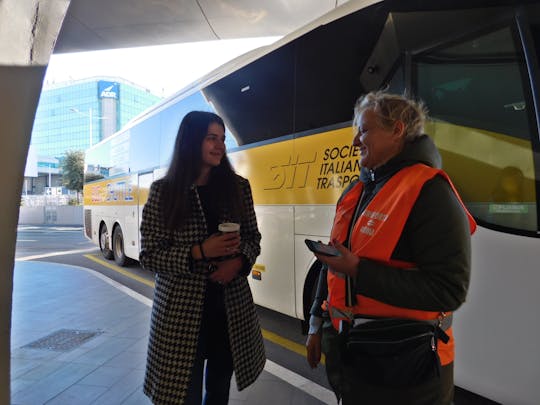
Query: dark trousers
pixel 214 347
pixel 353 390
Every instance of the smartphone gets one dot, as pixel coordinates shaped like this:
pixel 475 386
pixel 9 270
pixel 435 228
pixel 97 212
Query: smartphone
pixel 321 248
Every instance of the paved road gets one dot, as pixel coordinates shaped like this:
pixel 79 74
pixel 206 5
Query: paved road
pixel 284 340
pixel 44 240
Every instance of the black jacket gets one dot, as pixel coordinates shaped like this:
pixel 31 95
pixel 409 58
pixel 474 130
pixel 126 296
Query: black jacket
pixel 436 237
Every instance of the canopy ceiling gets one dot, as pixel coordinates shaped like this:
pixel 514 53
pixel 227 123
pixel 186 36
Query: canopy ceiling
pixel 108 24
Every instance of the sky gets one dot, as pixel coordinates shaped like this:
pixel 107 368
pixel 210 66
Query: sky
pixel 163 69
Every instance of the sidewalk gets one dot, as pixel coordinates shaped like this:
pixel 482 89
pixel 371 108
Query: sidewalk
pixel 98 351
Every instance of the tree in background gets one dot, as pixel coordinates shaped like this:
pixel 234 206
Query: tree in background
pixel 72 171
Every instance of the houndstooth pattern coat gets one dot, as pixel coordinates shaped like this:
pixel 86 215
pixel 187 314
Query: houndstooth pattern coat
pixel 179 297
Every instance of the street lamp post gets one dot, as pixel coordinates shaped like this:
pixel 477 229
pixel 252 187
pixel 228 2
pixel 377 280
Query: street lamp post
pixel 90 120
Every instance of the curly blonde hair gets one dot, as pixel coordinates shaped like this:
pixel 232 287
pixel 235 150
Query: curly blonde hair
pixel 391 108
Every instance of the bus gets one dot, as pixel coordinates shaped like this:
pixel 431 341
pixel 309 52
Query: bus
pixel 288 109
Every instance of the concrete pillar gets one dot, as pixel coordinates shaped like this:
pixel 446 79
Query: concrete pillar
pixel 28 32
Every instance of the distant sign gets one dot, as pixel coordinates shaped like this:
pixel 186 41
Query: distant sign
pixel 53 190
pixel 108 89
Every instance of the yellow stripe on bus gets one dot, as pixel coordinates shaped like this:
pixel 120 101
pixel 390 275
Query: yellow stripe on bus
pixel 259 267
pixel 315 169
pixel 312 169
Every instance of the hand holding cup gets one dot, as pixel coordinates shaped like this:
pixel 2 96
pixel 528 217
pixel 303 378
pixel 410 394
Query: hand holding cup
pixel 224 243
pixel 228 227
pixel 228 269
pixel 232 231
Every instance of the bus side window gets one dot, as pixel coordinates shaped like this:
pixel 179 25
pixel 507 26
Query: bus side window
pixel 480 118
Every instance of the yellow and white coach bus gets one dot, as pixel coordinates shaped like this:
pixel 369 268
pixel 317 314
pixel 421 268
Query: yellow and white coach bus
pixel 289 107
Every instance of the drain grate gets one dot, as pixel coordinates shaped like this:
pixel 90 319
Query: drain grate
pixel 63 340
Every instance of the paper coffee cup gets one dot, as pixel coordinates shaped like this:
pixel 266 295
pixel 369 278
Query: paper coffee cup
pixel 228 227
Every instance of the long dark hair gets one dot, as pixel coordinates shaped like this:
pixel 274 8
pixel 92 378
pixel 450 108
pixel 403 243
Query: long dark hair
pixel 185 167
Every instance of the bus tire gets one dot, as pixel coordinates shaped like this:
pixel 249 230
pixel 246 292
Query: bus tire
pixel 310 290
pixel 104 243
pixel 118 247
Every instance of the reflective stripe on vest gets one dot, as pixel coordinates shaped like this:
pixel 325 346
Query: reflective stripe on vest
pixel 375 236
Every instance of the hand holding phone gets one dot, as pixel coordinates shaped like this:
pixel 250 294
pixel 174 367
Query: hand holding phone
pixel 321 248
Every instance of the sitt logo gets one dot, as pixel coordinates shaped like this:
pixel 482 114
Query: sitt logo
pixel 290 174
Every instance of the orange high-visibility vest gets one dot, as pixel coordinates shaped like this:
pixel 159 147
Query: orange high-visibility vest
pixel 375 236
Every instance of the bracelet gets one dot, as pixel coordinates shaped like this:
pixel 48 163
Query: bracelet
pixel 202 253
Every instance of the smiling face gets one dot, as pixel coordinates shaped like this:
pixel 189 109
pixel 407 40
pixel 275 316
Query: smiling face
pixel 213 146
pixel 377 143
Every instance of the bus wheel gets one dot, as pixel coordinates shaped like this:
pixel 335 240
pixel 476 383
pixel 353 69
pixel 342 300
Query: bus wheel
pixel 104 243
pixel 310 291
pixel 118 247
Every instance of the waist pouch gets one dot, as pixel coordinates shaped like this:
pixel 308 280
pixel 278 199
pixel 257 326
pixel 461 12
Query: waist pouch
pixel 394 352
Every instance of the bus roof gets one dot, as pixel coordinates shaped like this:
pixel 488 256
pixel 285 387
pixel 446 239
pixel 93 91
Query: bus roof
pixel 345 9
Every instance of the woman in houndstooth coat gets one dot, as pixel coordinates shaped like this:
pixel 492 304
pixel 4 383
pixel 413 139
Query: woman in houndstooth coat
pixel 203 307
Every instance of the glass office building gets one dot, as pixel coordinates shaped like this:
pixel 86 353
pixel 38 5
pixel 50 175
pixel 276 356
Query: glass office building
pixel 75 116
pixel 78 114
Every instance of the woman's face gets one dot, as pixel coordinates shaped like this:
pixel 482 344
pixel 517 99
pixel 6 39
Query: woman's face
pixel 213 146
pixel 377 144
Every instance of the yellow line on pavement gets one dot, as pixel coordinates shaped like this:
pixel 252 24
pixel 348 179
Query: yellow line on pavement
pixel 286 343
pixel 120 270
pixel 270 336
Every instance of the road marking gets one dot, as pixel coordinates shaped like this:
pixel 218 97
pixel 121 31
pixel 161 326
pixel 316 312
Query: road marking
pixel 296 380
pixel 284 342
pixel 48 229
pixel 133 294
pixel 287 344
pixel 321 393
pixel 65 252
pixel 26 240
pixel 120 270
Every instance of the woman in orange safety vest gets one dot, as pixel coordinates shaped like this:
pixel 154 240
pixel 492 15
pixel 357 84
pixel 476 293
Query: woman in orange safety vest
pixel 403 235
